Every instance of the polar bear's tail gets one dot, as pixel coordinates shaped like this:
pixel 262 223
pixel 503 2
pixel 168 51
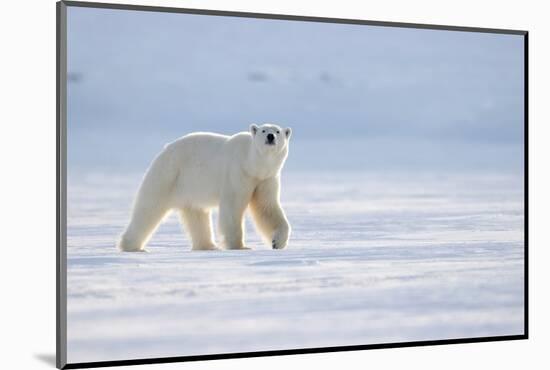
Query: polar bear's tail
pixel 151 204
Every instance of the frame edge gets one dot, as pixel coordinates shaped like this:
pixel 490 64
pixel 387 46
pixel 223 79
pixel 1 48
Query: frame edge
pixel 288 17
pixel 61 184
pixel 526 181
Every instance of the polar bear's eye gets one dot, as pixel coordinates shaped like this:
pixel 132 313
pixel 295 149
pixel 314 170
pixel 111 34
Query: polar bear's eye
pixel 263 131
pixel 278 132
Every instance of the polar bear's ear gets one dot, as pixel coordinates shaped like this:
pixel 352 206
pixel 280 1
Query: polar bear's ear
pixel 288 132
pixel 253 129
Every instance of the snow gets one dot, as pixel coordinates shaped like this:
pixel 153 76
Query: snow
pixel 404 184
pixel 373 258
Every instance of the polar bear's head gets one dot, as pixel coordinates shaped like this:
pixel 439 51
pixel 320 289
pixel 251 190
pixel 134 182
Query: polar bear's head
pixel 270 138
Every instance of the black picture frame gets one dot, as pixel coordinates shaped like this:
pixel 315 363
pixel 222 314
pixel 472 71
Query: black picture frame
pixel 61 186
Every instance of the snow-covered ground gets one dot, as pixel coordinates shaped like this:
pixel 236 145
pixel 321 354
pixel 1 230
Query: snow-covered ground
pixel 373 258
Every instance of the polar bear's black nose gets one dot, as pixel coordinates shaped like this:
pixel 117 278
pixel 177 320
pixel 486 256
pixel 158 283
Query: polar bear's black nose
pixel 270 138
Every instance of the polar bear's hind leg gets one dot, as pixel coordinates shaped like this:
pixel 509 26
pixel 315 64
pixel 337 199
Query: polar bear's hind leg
pixel 152 203
pixel 145 219
pixel 199 226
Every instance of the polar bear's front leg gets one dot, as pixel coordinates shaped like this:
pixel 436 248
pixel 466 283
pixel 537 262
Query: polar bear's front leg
pixel 231 219
pixel 268 215
pixel 231 224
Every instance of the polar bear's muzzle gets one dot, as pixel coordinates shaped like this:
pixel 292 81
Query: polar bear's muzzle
pixel 270 139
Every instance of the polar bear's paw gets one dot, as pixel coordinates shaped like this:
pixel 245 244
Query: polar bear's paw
pixel 277 244
pixel 125 246
pixel 239 248
pixel 280 240
pixel 205 247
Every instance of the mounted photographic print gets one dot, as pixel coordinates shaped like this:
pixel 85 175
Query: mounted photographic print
pixel 237 184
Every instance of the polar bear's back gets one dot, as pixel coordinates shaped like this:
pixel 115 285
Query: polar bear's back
pixel 208 149
pixel 198 142
pixel 200 160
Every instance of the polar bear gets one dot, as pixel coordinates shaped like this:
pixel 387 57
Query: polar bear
pixel 202 171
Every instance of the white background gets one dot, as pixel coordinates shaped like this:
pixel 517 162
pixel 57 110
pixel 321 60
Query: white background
pixel 27 204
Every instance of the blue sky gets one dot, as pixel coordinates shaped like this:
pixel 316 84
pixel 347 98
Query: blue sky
pixel 151 77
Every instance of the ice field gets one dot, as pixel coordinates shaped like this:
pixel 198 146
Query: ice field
pixel 403 185
pixel 373 258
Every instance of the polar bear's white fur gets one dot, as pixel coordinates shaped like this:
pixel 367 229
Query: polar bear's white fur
pixel 202 171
